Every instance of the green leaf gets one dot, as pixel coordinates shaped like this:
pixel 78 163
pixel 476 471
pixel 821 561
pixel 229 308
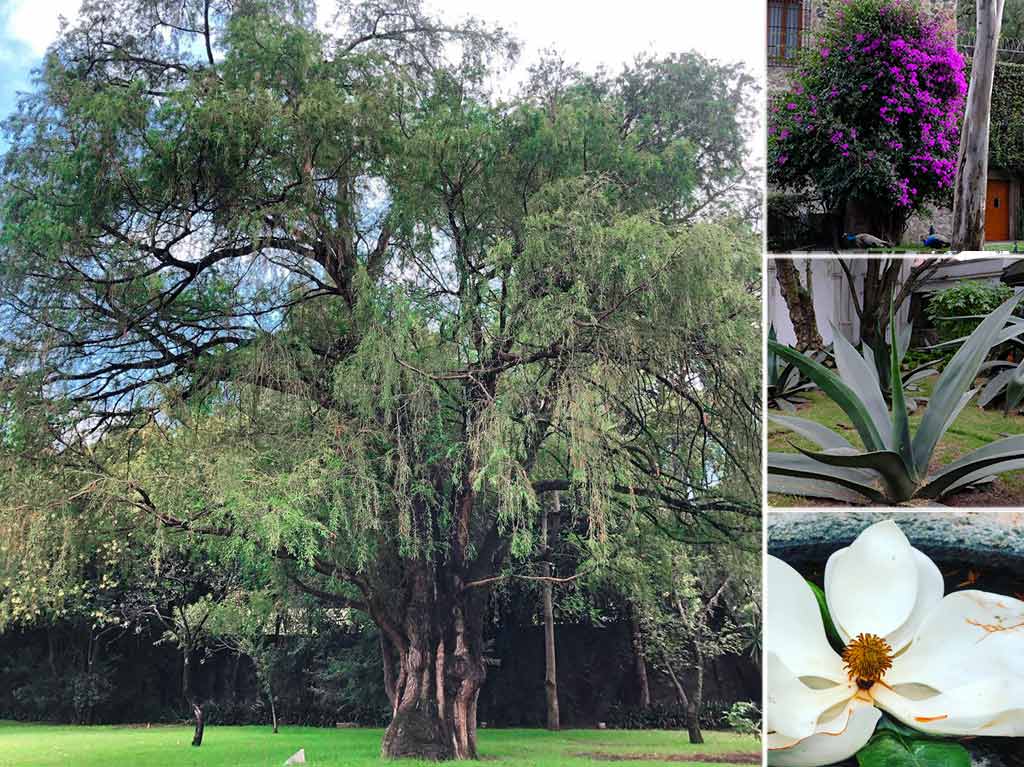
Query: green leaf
pixel 820 435
pixel 887 463
pixel 836 390
pixel 814 488
pixel 826 617
pixel 796 465
pixel 862 377
pixel 1015 389
pixel 889 749
pixel 955 380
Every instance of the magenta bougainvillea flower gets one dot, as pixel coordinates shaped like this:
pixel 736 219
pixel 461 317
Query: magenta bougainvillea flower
pixel 887 112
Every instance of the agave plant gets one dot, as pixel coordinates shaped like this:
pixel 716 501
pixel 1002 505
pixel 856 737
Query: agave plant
pixel 786 383
pixel 894 467
pixel 880 355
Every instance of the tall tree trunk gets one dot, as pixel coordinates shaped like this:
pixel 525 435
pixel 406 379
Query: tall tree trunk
pixel 550 674
pixel 799 303
pixel 972 159
pixel 639 660
pixel 186 691
pixel 689 704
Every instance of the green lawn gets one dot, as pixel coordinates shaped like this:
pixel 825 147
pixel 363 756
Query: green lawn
pixel 973 428
pixel 37 745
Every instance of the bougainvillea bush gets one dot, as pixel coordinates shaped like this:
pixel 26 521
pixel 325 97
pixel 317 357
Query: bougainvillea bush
pixel 872 114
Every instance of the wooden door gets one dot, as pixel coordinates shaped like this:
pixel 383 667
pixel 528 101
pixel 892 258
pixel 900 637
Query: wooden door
pixel 997 211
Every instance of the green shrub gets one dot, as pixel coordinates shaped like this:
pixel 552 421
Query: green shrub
pixel 745 717
pixel 966 299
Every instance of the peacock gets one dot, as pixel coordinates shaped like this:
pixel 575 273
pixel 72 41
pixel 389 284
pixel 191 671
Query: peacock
pixel 866 241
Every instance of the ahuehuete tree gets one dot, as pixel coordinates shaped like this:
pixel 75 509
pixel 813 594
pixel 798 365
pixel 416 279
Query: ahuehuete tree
pixel 872 116
pixel 318 297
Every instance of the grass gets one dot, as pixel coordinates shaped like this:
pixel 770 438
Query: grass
pixel 973 428
pixel 37 745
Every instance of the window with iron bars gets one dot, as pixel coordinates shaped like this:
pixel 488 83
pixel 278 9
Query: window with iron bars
pixel 787 22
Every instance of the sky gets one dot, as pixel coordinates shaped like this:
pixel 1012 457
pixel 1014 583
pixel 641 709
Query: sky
pixel 586 33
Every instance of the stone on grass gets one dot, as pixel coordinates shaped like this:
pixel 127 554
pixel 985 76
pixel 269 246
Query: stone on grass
pixel 299 757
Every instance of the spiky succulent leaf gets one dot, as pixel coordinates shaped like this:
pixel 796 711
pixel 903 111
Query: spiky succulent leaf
pixel 814 488
pixel 820 435
pixel 983 459
pixel 862 378
pixel 836 390
pixel 1014 388
pixel 888 464
pixel 860 481
pixel 955 380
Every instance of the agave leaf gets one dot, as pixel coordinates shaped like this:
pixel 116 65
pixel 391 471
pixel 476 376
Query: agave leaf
pixel 813 488
pixel 958 409
pixel 855 371
pixel 980 460
pixel 994 387
pixel 889 464
pixel 957 377
pixel 836 390
pixel 800 466
pixel 900 423
pixel 901 340
pixel 1015 388
pixel 822 436
pixel 919 375
pixel 986 474
pixel 772 361
pixel 869 357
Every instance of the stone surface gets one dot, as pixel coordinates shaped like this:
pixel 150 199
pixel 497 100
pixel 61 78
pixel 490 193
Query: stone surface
pixel 996 538
pixel 299 757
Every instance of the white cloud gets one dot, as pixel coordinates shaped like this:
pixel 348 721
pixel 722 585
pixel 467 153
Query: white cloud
pixel 35 22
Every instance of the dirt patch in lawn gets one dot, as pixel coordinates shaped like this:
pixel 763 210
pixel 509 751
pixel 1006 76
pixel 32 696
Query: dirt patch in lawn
pixel 733 758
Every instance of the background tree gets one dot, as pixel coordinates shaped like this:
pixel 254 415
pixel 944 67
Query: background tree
pixel 799 302
pixel 872 116
pixel 317 297
pixel 972 160
pixel 249 624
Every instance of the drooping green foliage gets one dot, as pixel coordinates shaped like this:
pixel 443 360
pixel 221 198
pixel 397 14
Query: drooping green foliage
pixel 319 298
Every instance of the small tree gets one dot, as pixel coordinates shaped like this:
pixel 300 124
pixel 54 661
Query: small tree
pixel 249 624
pixel 872 115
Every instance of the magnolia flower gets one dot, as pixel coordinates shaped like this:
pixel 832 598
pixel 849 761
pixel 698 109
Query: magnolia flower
pixel 949 665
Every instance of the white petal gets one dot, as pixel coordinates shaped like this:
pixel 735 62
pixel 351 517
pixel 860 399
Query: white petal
pixel 930 588
pixel 871 586
pixel 993 706
pixel 793 629
pixel 838 739
pixel 792 709
pixel 969 636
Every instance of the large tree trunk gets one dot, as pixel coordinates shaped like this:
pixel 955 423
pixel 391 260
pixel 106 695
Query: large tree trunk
pixel 972 160
pixel 800 304
pixel 440 672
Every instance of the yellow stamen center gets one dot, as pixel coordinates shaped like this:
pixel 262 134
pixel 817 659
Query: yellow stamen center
pixel 867 657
